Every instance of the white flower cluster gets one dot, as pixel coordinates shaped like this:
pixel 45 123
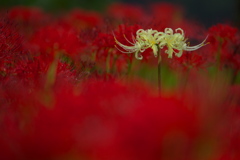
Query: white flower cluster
pixel 157 40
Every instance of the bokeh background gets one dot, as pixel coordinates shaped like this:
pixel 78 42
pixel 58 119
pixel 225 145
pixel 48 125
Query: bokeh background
pixel 208 12
pixel 67 92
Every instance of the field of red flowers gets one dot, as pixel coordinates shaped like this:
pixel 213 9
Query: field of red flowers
pixel 67 92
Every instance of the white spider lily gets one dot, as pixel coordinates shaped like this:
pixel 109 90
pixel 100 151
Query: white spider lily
pixel 150 39
pixel 157 40
pixel 138 46
pixel 144 40
pixel 176 41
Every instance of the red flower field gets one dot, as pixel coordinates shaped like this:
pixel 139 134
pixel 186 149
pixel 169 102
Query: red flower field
pixel 67 90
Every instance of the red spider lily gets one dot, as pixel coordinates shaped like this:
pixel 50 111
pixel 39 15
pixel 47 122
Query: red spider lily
pixel 158 132
pixel 28 19
pixel 190 60
pixel 11 47
pixel 11 41
pixel 57 38
pixel 102 128
pixel 168 14
pixel 28 15
pixel 126 12
pixel 215 109
pixel 85 112
pixel 110 121
pixel 46 135
pixel 225 43
pixel 125 33
pixel 104 40
pixel 193 29
pixel 17 110
pixel 81 19
pixel 106 46
pixel 60 41
pixel 33 72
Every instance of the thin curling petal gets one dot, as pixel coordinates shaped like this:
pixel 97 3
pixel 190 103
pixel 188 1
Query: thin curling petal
pixel 192 48
pixel 179 29
pixel 138 56
pixel 128 49
pixel 168 31
pixel 169 52
pixel 179 54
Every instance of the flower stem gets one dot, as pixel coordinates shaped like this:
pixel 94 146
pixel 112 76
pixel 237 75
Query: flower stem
pixel 108 65
pixel 234 77
pixel 159 73
pixel 129 67
pixel 51 73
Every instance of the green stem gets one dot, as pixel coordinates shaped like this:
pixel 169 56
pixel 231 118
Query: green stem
pixel 114 66
pixel 159 73
pixel 108 63
pixel 47 95
pixel 129 67
pixel 234 77
pixel 51 73
pixel 218 56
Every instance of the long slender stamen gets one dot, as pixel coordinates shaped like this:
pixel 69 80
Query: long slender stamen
pixel 133 38
pixel 128 40
pixel 122 50
pixel 130 48
pixel 192 48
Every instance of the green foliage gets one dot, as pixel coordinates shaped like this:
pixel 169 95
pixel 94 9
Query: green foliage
pixel 58 5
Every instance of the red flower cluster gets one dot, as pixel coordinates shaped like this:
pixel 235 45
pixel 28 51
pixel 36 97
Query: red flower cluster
pixel 28 19
pixel 52 39
pixel 81 19
pixel 126 13
pixel 11 48
pixel 225 41
pixel 67 91
pixel 112 120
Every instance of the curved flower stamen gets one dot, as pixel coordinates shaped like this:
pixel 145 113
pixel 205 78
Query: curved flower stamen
pixel 137 47
pixel 192 48
pixel 128 40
